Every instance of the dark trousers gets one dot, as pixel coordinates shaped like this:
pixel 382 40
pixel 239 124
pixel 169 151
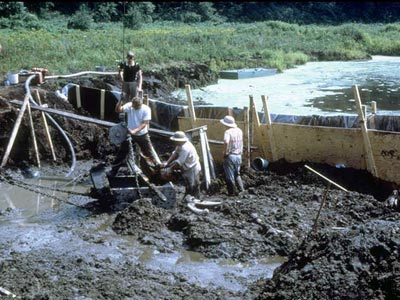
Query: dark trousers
pixel 145 145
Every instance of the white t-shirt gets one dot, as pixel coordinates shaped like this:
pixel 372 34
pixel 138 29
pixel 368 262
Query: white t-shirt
pixel 187 156
pixel 137 116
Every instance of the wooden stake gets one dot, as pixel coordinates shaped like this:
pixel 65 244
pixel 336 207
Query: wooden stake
pixel 102 103
pixel 33 135
pixel 78 97
pixel 251 119
pixel 367 144
pixel 373 107
pixel 191 106
pixel 46 127
pixel 204 153
pixel 15 131
pixel 246 135
pixel 320 207
pixel 270 132
pixel 146 99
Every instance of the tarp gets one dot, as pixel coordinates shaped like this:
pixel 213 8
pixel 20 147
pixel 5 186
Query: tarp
pixel 165 115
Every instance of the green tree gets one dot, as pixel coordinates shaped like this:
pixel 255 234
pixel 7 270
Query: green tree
pixel 82 19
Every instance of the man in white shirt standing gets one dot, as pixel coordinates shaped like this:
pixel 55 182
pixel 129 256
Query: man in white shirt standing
pixel 138 116
pixel 233 148
pixel 185 157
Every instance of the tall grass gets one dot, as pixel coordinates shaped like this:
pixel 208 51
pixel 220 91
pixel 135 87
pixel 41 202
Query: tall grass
pixel 221 46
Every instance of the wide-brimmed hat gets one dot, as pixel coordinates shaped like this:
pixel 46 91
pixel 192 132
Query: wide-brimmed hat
pixel 130 54
pixel 179 136
pixel 228 121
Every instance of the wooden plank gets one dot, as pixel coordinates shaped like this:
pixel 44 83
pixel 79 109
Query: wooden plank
pixel 251 119
pixel 15 130
pixel 146 99
pixel 210 157
pixel 35 147
pixel 102 103
pixel 269 129
pixel 85 119
pixel 191 106
pixel 367 144
pixel 204 154
pixel 49 140
pixel 78 96
pixel 246 137
pixel 326 178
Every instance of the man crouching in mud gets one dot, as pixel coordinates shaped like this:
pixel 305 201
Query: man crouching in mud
pixel 139 116
pixel 185 157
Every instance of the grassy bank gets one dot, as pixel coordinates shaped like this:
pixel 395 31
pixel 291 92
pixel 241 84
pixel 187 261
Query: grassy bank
pixel 223 46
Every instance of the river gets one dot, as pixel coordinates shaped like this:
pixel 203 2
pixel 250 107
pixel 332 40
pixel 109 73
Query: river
pixel 315 88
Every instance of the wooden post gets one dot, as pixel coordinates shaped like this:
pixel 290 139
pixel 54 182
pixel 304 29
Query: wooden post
pixel 251 119
pixel 146 99
pixel 15 131
pixel 270 132
pixel 33 135
pixel 46 127
pixel 102 103
pixel 204 153
pixel 364 111
pixel 78 97
pixel 373 107
pixel 367 144
pixel 191 106
pixel 246 135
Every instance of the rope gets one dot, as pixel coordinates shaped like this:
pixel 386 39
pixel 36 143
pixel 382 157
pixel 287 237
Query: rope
pixel 37 188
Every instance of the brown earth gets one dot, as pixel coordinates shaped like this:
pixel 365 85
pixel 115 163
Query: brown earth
pixel 81 253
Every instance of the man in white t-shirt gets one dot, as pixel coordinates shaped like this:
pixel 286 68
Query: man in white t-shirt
pixel 233 148
pixel 185 157
pixel 138 117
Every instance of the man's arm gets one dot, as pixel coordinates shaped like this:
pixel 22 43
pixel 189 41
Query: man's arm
pixel 140 127
pixel 118 106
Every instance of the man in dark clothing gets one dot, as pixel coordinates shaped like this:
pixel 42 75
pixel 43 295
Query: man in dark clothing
pixel 131 76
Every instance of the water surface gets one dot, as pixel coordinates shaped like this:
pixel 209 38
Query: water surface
pixel 323 88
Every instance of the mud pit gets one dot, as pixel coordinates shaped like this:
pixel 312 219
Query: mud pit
pixel 68 252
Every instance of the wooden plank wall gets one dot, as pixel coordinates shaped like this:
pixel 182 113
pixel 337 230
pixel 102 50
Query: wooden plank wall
pixel 301 143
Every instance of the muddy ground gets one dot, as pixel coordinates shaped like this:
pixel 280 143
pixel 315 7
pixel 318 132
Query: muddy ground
pixel 89 250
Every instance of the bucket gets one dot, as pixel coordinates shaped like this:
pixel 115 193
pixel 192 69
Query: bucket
pixel 260 164
pixel 12 78
pixel 100 68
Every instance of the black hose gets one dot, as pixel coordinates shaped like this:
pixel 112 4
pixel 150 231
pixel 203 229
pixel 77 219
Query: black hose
pixel 71 148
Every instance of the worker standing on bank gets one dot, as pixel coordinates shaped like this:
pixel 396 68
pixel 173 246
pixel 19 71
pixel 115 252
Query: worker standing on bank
pixel 138 117
pixel 131 76
pixel 185 158
pixel 233 148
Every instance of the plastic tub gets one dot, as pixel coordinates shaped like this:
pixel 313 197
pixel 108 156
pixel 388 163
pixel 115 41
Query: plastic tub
pixel 13 78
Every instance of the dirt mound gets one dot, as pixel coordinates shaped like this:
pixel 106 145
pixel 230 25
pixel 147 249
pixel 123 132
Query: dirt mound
pixel 357 262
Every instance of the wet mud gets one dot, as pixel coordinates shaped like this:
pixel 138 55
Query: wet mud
pixel 91 251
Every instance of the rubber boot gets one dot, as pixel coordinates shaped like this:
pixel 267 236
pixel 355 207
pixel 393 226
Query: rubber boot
pixel 231 188
pixel 239 183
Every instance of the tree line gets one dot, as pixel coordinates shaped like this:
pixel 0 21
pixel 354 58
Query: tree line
pixel 135 14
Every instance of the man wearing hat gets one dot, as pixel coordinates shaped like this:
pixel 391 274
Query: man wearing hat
pixel 185 157
pixel 233 148
pixel 131 76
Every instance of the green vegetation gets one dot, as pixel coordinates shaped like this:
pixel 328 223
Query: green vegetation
pixel 221 46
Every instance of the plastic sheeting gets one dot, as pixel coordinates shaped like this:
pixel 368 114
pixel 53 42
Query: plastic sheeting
pixel 165 115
